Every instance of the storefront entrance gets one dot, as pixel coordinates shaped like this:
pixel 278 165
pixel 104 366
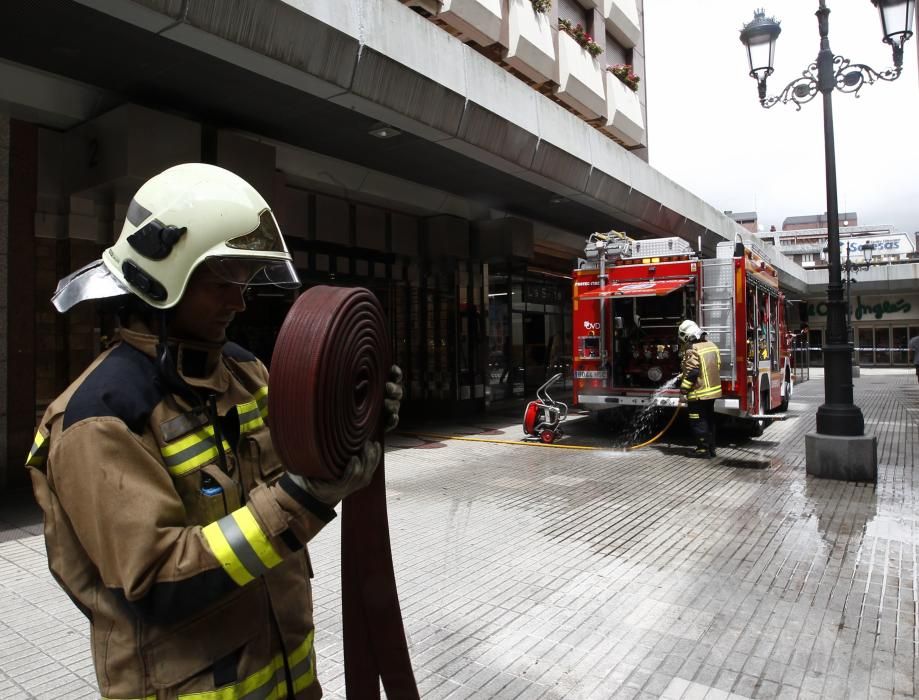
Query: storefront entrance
pixel 884 346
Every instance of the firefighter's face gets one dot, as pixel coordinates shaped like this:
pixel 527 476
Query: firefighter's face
pixel 208 307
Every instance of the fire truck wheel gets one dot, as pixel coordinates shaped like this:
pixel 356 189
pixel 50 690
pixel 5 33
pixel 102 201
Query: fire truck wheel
pixel 786 396
pixel 547 436
pixel 757 426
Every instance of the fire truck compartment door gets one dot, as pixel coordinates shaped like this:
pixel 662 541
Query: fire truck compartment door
pixel 645 288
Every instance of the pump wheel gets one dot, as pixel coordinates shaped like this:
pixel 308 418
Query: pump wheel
pixel 547 436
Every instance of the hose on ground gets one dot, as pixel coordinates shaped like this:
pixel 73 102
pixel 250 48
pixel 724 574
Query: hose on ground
pixel 660 434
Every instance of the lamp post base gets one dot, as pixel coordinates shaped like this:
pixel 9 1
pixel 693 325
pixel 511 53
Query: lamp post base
pixel 843 457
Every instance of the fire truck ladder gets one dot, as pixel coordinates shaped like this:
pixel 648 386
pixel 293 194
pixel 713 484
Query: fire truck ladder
pixel 717 310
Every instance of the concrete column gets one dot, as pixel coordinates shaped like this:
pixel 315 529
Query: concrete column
pixel 4 292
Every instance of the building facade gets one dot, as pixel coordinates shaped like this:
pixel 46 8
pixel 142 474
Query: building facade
pixel 452 156
pixel 883 297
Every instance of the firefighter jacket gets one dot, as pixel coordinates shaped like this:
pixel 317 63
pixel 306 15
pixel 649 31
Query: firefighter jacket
pixel 179 535
pixel 701 366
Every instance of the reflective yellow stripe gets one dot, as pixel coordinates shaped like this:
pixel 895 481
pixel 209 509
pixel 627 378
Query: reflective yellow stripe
pixel 272 674
pixel 302 651
pixel 146 697
pixel 241 546
pixel 192 451
pixel 253 533
pixel 225 555
pixel 39 451
pixel 302 664
pixel 261 397
pixel 250 416
pixel 704 393
pixel 208 455
pixel 174 448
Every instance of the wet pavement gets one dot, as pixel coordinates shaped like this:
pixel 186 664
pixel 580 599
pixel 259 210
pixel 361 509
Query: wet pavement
pixel 530 571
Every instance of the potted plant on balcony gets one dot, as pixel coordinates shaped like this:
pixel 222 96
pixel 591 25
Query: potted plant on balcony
pixel 624 72
pixel 541 5
pixel 580 35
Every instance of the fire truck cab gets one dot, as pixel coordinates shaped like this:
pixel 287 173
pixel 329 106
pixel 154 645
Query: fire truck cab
pixel 629 298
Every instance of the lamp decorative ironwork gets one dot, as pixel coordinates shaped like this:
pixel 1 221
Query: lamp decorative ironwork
pixel 838 415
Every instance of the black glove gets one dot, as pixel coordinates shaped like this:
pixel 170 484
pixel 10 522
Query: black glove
pixel 357 475
pixel 392 398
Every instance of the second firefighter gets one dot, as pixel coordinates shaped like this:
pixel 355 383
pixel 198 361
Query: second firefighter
pixel 701 384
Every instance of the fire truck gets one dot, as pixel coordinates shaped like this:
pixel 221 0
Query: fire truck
pixel 629 298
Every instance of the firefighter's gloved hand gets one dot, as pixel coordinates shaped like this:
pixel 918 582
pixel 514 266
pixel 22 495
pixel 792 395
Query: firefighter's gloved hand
pixel 356 476
pixel 392 398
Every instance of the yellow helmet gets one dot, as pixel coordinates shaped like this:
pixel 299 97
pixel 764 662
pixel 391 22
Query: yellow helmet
pixel 188 215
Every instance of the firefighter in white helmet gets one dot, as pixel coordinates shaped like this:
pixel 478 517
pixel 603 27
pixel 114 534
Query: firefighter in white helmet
pixel 169 519
pixel 701 384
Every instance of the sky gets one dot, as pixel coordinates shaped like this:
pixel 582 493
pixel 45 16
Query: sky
pixel 708 133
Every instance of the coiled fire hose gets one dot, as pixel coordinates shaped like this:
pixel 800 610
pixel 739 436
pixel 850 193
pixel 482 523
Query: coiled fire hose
pixel 325 400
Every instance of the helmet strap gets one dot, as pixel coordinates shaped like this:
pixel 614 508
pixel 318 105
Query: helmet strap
pixel 167 370
pixel 169 374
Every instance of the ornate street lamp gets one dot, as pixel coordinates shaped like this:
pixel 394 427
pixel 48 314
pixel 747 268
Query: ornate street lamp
pixel 838 416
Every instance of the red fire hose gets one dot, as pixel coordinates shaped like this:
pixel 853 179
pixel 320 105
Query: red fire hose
pixel 325 399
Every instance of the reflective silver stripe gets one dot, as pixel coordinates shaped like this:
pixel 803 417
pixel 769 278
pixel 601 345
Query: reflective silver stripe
pixel 208 443
pixel 268 689
pixel 303 668
pixel 241 547
pixel 253 417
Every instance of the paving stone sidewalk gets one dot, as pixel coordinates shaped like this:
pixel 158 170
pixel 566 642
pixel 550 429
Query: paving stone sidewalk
pixel 537 572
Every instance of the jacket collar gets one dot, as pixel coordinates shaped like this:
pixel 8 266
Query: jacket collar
pixel 198 363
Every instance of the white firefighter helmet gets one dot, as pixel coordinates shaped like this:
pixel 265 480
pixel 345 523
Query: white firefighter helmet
pixel 188 215
pixel 689 330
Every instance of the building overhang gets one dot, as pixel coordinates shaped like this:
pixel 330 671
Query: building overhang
pixel 321 76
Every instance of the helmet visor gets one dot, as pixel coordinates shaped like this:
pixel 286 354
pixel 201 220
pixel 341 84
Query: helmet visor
pixel 255 271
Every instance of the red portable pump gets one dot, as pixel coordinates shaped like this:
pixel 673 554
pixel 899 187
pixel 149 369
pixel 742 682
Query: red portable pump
pixel 542 417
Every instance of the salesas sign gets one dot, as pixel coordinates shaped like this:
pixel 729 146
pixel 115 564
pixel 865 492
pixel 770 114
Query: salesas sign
pixel 877 310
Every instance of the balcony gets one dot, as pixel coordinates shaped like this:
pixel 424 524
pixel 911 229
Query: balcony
pixel 580 79
pixel 624 119
pixel 476 20
pixel 528 38
pixel 622 20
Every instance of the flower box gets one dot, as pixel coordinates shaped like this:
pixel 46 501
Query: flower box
pixel 624 120
pixel 580 79
pixel 528 38
pixel 478 20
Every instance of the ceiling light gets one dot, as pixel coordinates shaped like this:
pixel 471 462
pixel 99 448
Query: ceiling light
pixel 383 131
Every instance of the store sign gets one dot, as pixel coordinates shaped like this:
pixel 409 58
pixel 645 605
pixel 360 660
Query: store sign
pixel 896 244
pixel 878 310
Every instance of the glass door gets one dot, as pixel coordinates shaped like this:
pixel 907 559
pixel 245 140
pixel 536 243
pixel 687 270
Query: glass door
pixel 815 341
pixel 865 346
pixel 882 346
pixel 899 342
